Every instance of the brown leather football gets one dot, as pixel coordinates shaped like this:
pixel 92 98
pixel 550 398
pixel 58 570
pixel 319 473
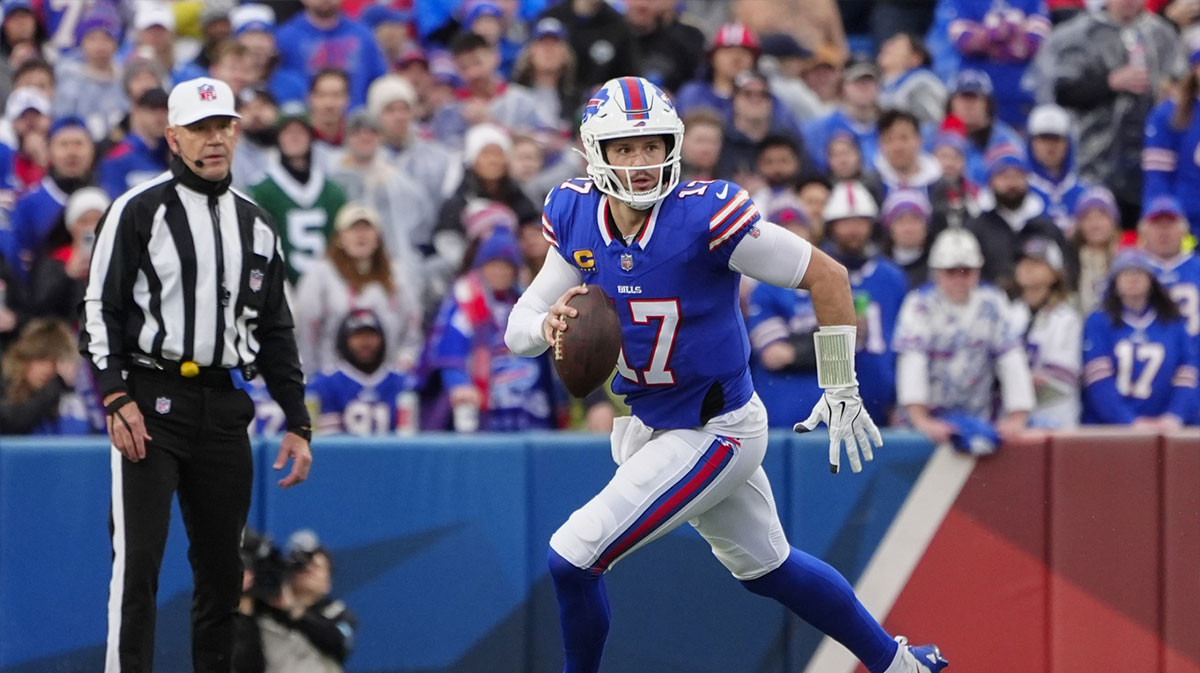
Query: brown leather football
pixel 586 352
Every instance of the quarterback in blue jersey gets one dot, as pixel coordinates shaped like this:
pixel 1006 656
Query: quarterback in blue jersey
pixel 1140 367
pixel 671 256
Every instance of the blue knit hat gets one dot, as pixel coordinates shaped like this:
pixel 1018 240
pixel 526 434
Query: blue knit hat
pixel 1005 156
pixel 67 122
pixel 100 17
pixel 501 245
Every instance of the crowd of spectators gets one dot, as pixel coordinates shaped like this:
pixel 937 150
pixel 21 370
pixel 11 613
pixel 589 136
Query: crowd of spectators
pixel 1014 187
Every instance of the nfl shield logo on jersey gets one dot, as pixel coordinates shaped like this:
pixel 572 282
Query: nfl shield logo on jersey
pixel 207 92
pixel 162 405
pixel 626 262
pixel 256 280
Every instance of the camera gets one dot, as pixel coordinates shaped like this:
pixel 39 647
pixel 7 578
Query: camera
pixel 270 566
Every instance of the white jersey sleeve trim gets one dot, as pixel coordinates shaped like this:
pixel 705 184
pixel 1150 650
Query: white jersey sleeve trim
pixel 776 256
pixel 524 333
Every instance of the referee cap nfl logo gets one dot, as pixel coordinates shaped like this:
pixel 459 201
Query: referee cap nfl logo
pixel 198 99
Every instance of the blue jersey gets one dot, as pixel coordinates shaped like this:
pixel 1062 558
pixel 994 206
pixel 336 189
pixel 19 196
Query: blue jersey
pixel 1181 277
pixel 818 133
pixel 1141 367
pixel 1171 161
pixel 684 356
pixel 783 314
pixel 359 404
pixel 130 163
pixel 33 217
pixel 780 313
pixel 349 46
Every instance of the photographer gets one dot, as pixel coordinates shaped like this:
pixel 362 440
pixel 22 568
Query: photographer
pixel 287 620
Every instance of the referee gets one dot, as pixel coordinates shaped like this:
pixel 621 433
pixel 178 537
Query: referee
pixel 186 289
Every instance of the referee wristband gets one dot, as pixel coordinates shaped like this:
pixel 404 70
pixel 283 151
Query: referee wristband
pixel 112 407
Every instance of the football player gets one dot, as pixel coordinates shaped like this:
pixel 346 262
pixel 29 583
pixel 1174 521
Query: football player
pixel 671 256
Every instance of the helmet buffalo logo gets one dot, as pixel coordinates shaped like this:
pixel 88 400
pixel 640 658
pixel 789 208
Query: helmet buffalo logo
pixel 207 92
pixel 593 105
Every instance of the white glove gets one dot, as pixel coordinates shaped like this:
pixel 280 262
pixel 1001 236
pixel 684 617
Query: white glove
pixel 842 410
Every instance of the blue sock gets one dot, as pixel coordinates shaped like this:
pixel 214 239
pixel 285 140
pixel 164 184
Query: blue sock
pixel 819 595
pixel 582 611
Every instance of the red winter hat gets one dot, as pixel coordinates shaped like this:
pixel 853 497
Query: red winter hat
pixel 735 35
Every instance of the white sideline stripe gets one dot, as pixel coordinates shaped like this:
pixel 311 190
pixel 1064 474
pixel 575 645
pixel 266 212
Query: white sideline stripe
pixel 116 585
pixel 901 548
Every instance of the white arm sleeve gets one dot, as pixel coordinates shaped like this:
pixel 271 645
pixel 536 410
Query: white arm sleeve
pixel 1016 383
pixel 912 378
pixel 524 333
pixel 776 256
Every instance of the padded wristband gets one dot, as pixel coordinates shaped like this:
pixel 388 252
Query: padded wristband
pixel 835 356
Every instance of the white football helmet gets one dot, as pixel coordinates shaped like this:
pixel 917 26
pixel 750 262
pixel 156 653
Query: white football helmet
pixel 622 108
pixel 955 248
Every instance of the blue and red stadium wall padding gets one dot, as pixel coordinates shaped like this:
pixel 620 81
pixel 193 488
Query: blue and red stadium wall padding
pixel 1062 553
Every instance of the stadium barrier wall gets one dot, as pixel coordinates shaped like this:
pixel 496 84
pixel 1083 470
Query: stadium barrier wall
pixel 1064 553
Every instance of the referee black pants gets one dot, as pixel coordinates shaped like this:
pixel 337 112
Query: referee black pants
pixel 200 450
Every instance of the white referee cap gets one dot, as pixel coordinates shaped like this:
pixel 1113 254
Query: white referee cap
pixel 198 99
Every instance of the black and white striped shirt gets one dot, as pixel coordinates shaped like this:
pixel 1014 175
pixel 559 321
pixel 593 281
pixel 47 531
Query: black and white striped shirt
pixel 185 269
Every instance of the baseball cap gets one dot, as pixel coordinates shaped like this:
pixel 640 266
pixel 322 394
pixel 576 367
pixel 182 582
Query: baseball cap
pixel 252 18
pixel 860 66
pixel 549 27
pixel 1005 155
pixel 1045 250
pixel 955 248
pixel 151 14
pixel 1162 206
pixel 25 99
pixel 352 213
pixel 200 98
pixel 902 201
pixel 359 119
pixel 782 45
pixel 735 35
pixel 849 198
pixel 153 99
pixel 1049 120
pixel 972 82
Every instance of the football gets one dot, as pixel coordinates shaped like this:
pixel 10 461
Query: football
pixel 586 352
